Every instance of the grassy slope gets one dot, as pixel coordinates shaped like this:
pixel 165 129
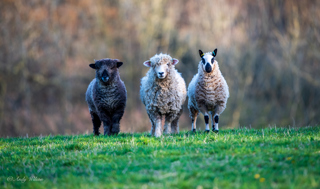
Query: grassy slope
pixel 281 158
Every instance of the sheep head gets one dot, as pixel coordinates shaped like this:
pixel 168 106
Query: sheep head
pixel 161 64
pixel 208 60
pixel 106 70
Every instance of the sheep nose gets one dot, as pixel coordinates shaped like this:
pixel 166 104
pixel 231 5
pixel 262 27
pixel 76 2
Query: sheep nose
pixel 208 68
pixel 105 79
pixel 161 73
pixel 105 76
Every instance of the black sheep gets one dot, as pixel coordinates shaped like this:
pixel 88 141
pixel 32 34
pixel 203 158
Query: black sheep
pixel 106 96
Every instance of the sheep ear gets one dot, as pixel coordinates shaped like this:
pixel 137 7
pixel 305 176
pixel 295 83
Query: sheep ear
pixel 201 53
pixel 147 63
pixel 93 66
pixel 119 64
pixel 214 53
pixel 175 61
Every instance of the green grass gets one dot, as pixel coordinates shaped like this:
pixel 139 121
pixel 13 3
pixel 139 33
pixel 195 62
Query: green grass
pixel 240 158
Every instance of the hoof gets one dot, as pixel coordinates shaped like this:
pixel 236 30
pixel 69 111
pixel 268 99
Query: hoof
pixel 194 130
pixel 207 131
pixel 216 131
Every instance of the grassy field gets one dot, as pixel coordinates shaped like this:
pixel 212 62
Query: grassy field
pixel 240 158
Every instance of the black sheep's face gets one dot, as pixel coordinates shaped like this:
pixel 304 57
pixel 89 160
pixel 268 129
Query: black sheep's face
pixel 106 70
pixel 208 60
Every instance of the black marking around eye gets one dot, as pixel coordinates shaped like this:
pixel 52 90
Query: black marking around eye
pixel 203 61
pixel 212 60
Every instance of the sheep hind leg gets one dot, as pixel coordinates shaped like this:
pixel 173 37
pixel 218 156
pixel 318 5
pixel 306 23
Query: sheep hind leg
pixel 167 126
pixel 96 123
pixel 193 114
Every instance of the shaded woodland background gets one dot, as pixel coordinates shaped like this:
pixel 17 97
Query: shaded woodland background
pixel 268 52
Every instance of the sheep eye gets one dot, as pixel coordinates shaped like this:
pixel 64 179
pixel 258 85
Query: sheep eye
pixel 212 60
pixel 203 61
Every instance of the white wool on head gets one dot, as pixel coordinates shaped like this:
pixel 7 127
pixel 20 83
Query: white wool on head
pixel 160 59
pixel 160 64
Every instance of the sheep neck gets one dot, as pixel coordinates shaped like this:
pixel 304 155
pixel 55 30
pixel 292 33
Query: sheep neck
pixel 205 79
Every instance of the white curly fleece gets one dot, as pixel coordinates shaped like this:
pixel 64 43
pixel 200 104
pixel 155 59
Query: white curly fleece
pixel 163 97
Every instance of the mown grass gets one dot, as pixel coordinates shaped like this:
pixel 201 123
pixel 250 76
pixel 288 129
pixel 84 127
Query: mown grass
pixel 240 158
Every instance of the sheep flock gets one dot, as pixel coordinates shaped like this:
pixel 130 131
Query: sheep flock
pixel 162 91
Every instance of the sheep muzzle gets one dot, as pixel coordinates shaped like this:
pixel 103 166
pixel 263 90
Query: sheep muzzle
pixel 208 68
pixel 105 76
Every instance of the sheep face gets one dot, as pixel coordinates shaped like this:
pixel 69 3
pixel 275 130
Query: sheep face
pixel 208 60
pixel 106 70
pixel 161 64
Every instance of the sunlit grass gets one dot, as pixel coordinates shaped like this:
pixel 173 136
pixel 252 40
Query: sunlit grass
pixel 240 158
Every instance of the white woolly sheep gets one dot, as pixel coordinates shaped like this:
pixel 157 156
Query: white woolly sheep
pixel 163 92
pixel 208 91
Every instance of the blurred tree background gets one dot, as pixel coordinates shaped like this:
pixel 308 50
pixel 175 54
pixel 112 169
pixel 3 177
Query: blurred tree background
pixel 268 52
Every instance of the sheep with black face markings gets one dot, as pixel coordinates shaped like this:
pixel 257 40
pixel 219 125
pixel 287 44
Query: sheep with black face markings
pixel 163 92
pixel 208 91
pixel 106 96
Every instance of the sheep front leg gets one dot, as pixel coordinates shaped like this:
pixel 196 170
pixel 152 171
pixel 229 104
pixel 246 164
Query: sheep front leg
pixel 116 122
pixel 206 120
pixel 215 115
pixel 107 127
pixel 152 125
pixel 157 119
pixel 175 126
pixel 215 122
pixel 167 124
pixel 96 123
pixel 175 123
pixel 206 117
pixel 107 123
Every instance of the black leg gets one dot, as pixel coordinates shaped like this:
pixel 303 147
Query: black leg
pixel 206 119
pixel 116 122
pixel 107 127
pixel 96 123
pixel 216 120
